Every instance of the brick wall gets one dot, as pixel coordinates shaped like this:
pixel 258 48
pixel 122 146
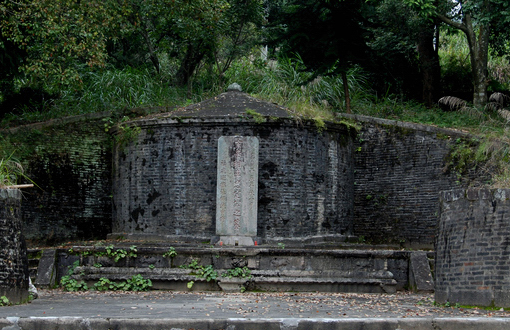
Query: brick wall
pixel 165 180
pixel 399 170
pixel 13 251
pixel 70 161
pixel 472 248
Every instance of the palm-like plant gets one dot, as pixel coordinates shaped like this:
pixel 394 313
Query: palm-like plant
pixel 10 173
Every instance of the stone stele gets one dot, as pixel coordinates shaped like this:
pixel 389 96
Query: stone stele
pixel 236 192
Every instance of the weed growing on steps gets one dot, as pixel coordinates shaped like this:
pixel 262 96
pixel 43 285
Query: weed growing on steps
pixel 70 284
pixel 171 253
pixel 4 301
pixel 111 252
pixel 135 283
pixel 241 272
pixel 207 272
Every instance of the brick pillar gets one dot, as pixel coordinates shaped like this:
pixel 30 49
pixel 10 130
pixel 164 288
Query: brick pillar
pixel 13 251
pixel 473 247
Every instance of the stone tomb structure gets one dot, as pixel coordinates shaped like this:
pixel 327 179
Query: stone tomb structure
pixel 166 184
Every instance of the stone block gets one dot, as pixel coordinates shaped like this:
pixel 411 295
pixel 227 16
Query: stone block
pixel 47 272
pixel 420 277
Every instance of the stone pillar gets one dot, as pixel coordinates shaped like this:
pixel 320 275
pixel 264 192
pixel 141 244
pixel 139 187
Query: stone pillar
pixel 13 251
pixel 237 189
pixel 473 248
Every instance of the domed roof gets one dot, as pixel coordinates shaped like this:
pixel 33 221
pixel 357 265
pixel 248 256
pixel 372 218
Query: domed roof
pixel 232 103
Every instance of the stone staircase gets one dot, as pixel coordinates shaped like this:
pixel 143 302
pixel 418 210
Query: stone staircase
pixel 272 268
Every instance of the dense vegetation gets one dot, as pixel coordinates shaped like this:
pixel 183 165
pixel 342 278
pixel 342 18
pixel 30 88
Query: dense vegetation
pixel 384 58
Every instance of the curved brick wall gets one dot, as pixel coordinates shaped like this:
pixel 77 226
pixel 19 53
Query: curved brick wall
pixel 13 251
pixel 165 180
pixel 400 168
pixel 473 248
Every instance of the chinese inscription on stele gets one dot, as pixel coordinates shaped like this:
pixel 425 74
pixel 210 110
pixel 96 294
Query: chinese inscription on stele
pixel 236 193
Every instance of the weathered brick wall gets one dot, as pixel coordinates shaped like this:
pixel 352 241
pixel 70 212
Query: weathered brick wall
pixel 13 251
pixel 70 160
pixel 165 180
pixel 399 172
pixel 472 247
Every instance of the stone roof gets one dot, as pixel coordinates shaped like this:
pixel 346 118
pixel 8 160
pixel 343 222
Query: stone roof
pixel 231 103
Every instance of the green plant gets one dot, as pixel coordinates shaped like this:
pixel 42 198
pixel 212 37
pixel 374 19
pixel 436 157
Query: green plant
pixel 243 272
pixel 70 284
pixel 11 171
pixel 4 301
pixel 208 273
pixel 105 284
pixel 257 117
pixel 98 265
pixel 190 284
pixel 170 253
pixel 200 271
pixel 319 124
pixel 281 245
pixel 138 283
pixel 151 267
pixel 135 283
pixel 118 254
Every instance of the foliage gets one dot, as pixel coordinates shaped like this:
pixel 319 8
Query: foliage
pixel 478 20
pixel 10 171
pixel 288 82
pixel 257 117
pixel 71 284
pixel 60 38
pixel 455 66
pixel 206 272
pixel 135 283
pixel 171 253
pixel 4 301
pixel 242 272
pixel 118 254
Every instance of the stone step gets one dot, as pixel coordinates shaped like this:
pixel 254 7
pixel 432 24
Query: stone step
pixel 273 269
pixel 304 281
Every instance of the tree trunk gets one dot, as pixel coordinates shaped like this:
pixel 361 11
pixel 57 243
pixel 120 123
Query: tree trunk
pixel 429 65
pixel 346 92
pixel 478 53
pixel 192 59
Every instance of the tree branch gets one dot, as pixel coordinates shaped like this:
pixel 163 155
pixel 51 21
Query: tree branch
pixel 451 22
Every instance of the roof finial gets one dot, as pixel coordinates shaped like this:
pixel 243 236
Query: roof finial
pixel 234 87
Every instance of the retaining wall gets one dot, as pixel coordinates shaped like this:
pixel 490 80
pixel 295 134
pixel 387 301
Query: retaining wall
pixel 399 169
pixel 473 248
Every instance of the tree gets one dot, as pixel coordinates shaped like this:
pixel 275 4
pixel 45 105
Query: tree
pixel 190 31
pixel 58 38
pixel 476 18
pixel 326 34
pixel 406 45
